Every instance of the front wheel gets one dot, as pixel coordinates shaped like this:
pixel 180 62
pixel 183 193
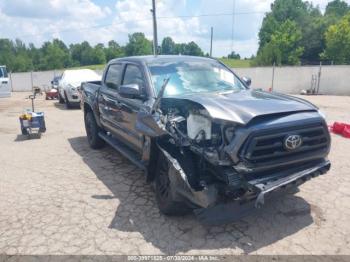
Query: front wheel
pixel 68 104
pixel 164 191
pixel 60 98
pixel 92 130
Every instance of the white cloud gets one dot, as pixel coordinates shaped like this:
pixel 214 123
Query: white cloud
pixel 78 20
pixel 41 20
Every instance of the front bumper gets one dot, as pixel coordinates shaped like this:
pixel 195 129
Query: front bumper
pixel 233 211
pixel 73 96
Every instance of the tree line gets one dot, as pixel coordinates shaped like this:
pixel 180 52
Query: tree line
pixel 55 54
pixel 293 32
pixel 296 32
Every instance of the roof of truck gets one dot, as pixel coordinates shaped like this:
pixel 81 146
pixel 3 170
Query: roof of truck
pixel 152 58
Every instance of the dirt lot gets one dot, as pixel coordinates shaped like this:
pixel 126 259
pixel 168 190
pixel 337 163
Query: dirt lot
pixel 57 196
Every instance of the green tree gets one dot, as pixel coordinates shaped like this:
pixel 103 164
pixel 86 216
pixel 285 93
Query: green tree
pixel 307 17
pixel 138 45
pixel 234 55
pixel 193 49
pixel 55 55
pixel 98 55
pixel 284 46
pixel 337 8
pixel 338 42
pixel 188 49
pixel 281 10
pixel 168 46
pixel 114 50
pixel 7 55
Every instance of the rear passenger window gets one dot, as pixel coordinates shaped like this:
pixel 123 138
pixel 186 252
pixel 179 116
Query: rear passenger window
pixel 114 75
pixel 133 75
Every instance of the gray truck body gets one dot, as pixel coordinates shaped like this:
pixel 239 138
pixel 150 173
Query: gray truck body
pixel 259 142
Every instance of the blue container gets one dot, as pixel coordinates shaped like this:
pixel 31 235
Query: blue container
pixel 36 121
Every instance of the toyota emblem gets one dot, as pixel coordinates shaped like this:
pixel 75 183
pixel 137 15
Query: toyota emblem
pixel 293 142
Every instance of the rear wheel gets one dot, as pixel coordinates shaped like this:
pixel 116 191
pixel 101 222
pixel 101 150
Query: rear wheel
pixel 92 130
pixel 164 191
pixel 24 131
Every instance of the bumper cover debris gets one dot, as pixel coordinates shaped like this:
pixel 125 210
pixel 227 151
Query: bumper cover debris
pixel 230 212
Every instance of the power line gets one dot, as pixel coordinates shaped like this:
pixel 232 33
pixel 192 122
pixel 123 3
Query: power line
pixel 214 14
pixel 139 20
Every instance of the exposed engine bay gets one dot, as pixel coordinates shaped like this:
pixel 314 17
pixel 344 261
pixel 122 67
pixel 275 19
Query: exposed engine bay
pixel 208 167
pixel 198 143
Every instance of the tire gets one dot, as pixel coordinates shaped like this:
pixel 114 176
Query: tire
pixel 24 131
pixel 67 103
pixel 60 98
pixel 164 197
pixel 92 130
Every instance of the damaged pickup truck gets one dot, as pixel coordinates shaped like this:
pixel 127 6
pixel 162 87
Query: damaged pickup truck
pixel 208 142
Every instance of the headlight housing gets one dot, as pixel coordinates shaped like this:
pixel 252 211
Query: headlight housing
pixel 72 87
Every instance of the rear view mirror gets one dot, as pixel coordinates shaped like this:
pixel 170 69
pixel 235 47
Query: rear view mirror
pixel 247 81
pixel 130 91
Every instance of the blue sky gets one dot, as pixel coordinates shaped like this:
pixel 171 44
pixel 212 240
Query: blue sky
pixel 98 21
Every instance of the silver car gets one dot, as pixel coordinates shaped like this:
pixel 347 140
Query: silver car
pixel 71 81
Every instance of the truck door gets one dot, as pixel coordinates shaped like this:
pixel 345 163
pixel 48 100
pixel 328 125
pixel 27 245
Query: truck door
pixel 108 98
pixel 129 107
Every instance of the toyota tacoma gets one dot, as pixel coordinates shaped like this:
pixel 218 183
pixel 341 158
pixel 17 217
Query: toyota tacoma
pixel 209 143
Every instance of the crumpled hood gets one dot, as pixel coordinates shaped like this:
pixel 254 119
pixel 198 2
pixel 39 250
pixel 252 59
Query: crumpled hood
pixel 242 106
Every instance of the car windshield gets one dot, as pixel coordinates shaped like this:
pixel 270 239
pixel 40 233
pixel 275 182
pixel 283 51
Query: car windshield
pixel 188 77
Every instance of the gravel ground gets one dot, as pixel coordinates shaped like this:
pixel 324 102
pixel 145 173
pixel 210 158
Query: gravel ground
pixel 57 196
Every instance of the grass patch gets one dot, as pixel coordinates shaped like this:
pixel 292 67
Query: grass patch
pixel 92 67
pixel 234 63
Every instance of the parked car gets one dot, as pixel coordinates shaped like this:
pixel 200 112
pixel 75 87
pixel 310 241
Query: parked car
pixel 55 81
pixel 4 82
pixel 70 82
pixel 208 142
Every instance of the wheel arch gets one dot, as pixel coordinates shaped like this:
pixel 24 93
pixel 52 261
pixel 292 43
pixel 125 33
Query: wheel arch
pixel 88 108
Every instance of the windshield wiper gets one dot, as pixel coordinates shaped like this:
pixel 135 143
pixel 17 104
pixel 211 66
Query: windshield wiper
pixel 160 95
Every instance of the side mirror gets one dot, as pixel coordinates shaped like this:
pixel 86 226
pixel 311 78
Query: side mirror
pixel 247 81
pixel 130 91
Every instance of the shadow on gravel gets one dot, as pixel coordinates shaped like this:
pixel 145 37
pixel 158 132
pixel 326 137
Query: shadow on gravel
pixel 138 212
pixel 21 138
pixel 63 106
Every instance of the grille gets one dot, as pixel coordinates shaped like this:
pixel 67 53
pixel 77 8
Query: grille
pixel 265 146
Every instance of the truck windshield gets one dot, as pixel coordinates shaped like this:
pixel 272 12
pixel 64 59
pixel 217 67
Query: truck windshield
pixel 3 72
pixel 189 77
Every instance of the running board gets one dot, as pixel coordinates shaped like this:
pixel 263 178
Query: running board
pixel 123 149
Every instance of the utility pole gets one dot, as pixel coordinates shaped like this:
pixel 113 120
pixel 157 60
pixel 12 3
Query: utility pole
pixel 211 42
pixel 233 23
pixel 155 38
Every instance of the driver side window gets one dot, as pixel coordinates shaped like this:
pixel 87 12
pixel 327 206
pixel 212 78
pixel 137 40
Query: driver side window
pixel 133 75
pixel 113 76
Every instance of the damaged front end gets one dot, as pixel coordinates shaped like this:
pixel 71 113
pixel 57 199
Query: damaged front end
pixel 209 167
